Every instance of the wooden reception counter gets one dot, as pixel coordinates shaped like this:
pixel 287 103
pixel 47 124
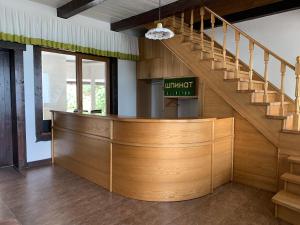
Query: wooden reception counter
pixel 146 159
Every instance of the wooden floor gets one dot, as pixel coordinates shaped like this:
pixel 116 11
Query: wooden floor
pixel 52 195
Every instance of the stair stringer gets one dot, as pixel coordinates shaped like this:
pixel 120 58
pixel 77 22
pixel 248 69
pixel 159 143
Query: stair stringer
pixel 241 102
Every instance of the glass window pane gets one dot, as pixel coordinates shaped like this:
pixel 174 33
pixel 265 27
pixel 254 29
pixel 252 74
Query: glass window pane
pixel 59 83
pixel 93 85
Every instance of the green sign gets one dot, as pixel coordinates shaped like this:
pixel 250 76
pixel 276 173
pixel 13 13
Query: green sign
pixel 180 86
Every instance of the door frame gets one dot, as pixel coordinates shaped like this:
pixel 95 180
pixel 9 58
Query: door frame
pixel 17 101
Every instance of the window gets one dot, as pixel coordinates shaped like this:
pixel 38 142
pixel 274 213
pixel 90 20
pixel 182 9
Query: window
pixel 58 83
pixel 68 81
pixel 93 85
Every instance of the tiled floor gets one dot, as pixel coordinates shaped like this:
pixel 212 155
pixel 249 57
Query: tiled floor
pixel 54 196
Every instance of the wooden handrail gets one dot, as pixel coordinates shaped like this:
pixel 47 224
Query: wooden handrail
pixel 251 39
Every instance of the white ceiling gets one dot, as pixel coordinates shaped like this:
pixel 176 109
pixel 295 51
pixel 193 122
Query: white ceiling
pixel 52 3
pixel 113 10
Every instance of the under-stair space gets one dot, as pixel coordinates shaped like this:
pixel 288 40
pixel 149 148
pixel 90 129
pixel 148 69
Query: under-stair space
pixel 287 201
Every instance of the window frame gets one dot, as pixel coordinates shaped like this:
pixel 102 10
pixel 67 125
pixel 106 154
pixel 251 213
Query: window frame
pixel 38 86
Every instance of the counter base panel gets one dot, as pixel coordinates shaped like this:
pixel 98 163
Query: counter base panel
pixel 88 157
pixel 161 174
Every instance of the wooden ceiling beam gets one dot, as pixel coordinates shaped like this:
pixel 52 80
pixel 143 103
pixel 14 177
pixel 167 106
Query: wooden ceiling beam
pixel 75 6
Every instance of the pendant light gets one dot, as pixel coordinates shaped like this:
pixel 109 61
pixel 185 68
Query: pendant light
pixel 159 33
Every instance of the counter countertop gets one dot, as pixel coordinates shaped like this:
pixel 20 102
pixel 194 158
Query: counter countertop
pixel 133 118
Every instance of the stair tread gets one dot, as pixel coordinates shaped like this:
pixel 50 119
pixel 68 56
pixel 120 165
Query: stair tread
pixel 227 56
pixel 288 200
pixel 277 117
pixel 219 61
pixel 291 178
pixel 269 92
pixel 208 51
pixel 294 159
pixel 218 54
pixel 278 103
pixel 253 81
pixel 195 37
pixel 270 103
pixel 290 132
pixel 240 71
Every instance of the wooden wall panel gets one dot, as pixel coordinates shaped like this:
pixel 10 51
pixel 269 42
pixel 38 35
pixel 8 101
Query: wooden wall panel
pixel 156 61
pixel 222 161
pixel 255 158
pixel 87 156
pixel 214 105
pixel 143 101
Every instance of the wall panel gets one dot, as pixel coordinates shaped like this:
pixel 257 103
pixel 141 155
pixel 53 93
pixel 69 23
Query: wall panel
pixel 255 158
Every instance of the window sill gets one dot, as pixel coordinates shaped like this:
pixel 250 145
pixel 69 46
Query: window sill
pixel 43 137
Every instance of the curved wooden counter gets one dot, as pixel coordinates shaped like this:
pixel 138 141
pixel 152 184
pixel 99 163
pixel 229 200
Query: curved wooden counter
pixel 146 159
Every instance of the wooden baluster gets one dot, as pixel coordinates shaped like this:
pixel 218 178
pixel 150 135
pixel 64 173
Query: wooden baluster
pixel 224 44
pixel 212 20
pixel 237 53
pixel 192 25
pixel 174 22
pixel 297 93
pixel 266 76
pixel 202 12
pixel 182 27
pixel 282 86
pixel 251 51
pixel 182 23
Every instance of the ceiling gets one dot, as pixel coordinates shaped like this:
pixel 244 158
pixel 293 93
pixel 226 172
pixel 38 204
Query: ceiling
pixel 112 10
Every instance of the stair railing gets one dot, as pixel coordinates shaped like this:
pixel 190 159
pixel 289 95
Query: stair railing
pixel 267 53
pixel 252 43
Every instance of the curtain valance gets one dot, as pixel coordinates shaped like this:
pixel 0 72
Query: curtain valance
pixel 22 27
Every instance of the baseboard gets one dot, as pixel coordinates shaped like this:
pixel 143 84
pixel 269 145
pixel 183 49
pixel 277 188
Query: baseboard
pixel 43 162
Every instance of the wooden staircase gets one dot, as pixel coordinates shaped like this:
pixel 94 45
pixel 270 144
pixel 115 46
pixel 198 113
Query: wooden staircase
pixel 287 201
pixel 251 94
pixel 275 111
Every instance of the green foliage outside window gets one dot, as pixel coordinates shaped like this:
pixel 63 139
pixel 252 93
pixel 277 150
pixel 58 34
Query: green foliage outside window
pixel 71 97
pixel 100 97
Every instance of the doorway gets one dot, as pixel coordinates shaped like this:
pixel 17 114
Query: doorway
pixel 6 137
pixel 12 106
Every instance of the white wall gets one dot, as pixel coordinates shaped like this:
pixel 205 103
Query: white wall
pixel 280 33
pixel 40 150
pixel 126 88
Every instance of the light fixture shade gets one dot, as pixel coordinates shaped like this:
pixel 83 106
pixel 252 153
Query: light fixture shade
pixel 159 33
